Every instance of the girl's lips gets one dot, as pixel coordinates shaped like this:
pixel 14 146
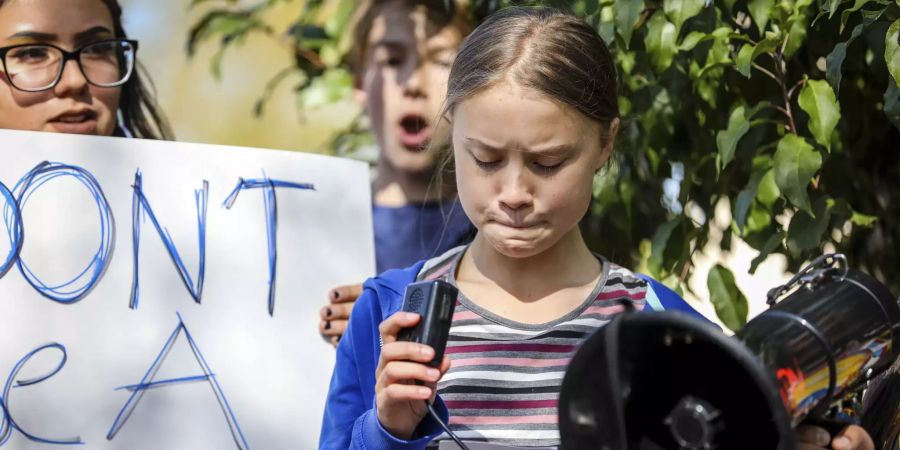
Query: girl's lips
pixel 518 226
pixel 413 132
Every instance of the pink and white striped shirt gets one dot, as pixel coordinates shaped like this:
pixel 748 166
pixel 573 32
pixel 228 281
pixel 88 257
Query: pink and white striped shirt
pixel 504 383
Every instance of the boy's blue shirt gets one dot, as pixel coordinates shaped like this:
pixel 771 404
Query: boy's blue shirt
pixel 350 421
pixel 409 233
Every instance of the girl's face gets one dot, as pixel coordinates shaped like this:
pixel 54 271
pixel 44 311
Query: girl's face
pixel 73 105
pixel 524 167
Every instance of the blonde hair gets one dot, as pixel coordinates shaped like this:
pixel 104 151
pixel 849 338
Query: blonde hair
pixel 543 49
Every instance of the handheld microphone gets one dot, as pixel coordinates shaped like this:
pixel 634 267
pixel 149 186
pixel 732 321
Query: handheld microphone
pixel 434 301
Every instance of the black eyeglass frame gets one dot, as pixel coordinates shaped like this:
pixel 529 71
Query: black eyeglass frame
pixel 66 57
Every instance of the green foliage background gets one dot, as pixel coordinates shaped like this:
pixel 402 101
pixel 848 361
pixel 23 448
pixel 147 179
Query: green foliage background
pixel 789 109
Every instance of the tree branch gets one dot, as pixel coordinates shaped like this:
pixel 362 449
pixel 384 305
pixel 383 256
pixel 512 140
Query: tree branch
pixel 766 71
pixel 778 57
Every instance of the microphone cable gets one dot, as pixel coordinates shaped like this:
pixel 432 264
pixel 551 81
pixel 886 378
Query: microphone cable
pixel 434 415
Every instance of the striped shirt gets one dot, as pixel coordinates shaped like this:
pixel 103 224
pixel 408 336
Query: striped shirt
pixel 504 382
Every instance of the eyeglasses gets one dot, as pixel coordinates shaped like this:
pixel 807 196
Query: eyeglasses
pixel 39 67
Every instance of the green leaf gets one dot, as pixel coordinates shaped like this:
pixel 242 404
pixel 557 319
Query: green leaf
pixel 845 15
pixel 692 39
pixel 745 59
pixel 228 24
pixel 761 166
pixel 658 245
pixel 215 64
pixel 818 100
pixel 730 303
pixel 892 50
pixel 682 10
pixel 771 244
pixel 760 218
pixel 334 85
pixel 759 11
pixel 749 52
pixel 832 6
pixel 863 220
pixel 835 60
pixel 607 27
pixel 660 42
pixel 795 164
pixel 806 230
pixel 796 36
pixel 627 13
pixel 768 191
pixel 727 140
pixel 339 20
pixel 741 207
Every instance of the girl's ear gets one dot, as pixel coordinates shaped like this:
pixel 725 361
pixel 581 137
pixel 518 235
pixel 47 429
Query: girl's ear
pixel 608 141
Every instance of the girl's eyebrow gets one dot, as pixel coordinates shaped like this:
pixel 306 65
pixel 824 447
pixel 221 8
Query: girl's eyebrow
pixel 553 150
pixel 483 145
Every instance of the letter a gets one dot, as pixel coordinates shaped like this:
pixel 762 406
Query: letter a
pixel 137 390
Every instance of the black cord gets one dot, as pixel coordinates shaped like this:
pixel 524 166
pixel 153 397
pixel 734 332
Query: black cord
pixel 434 415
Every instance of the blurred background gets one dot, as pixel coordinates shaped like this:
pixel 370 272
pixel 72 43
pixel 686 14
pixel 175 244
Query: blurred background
pixel 206 108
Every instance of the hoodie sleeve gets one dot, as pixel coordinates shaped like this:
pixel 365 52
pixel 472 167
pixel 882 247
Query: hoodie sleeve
pixel 368 433
pixel 350 420
pixel 661 298
pixel 346 399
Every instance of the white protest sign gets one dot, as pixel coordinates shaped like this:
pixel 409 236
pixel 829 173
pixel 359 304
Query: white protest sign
pixel 113 339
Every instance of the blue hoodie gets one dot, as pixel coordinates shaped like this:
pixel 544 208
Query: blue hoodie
pixel 350 420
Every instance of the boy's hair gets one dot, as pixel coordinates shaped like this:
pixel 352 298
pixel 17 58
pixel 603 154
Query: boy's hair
pixel 439 12
pixel 139 110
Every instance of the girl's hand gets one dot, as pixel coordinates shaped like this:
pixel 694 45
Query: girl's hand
pixel 852 437
pixel 399 402
pixel 336 314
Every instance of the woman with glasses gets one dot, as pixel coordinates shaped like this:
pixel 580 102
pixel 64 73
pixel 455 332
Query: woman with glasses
pixel 67 66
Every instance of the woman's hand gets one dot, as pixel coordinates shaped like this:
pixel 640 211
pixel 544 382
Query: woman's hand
pixel 336 314
pixel 399 402
pixel 852 437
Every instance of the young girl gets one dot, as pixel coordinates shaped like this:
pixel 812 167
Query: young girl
pixel 533 114
pixel 68 66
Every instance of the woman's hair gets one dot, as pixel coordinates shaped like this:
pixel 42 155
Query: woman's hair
pixel 543 49
pixel 140 113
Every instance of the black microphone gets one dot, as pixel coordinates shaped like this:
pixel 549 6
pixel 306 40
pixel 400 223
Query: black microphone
pixel 434 301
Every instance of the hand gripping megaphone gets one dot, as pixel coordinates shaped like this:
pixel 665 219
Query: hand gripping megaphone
pixel 665 380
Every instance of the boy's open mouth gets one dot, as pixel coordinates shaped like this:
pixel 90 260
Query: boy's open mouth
pixel 414 132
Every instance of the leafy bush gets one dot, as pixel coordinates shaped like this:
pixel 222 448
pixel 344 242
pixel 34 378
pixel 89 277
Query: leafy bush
pixel 789 110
